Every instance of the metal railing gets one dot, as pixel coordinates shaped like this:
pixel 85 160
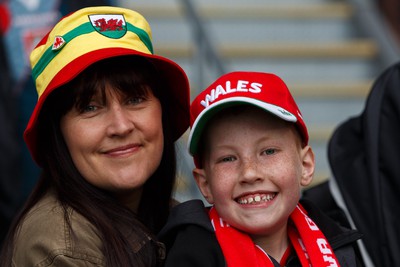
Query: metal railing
pixel 205 52
pixel 366 14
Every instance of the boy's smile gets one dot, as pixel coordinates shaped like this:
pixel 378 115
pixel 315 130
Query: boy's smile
pixel 254 199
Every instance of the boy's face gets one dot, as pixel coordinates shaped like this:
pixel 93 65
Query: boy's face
pixel 253 169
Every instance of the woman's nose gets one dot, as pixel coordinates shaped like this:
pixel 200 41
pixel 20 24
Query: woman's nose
pixel 120 121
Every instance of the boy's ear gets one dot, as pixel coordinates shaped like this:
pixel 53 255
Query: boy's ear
pixel 203 185
pixel 308 165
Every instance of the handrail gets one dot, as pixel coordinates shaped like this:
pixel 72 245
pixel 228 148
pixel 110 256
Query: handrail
pixel 375 26
pixel 205 52
pixel 366 13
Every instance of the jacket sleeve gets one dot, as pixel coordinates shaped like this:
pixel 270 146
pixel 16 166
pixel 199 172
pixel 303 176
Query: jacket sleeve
pixel 195 246
pixel 44 238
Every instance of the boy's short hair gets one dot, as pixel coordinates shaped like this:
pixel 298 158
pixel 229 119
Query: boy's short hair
pixel 263 90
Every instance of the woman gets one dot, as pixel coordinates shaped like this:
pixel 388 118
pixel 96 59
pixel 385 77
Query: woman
pixel 103 132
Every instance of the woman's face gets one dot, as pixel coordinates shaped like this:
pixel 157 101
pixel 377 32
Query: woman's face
pixel 116 142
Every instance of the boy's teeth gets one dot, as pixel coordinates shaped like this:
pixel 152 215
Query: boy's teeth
pixel 256 199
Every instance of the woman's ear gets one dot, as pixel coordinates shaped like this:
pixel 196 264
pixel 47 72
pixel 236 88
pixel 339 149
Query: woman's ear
pixel 308 165
pixel 203 185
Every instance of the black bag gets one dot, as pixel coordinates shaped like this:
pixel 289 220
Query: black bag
pixel 364 156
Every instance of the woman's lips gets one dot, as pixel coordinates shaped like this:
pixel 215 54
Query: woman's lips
pixel 122 150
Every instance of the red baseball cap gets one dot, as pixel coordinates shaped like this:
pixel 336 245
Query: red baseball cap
pixel 264 90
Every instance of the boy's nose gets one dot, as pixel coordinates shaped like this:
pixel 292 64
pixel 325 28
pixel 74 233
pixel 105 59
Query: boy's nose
pixel 250 171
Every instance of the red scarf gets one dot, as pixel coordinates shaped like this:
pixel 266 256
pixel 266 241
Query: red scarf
pixel 309 242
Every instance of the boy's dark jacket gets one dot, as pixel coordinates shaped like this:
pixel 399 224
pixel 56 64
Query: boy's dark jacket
pixel 191 241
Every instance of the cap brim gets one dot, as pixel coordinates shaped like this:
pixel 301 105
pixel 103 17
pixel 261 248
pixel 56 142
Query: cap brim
pixel 209 112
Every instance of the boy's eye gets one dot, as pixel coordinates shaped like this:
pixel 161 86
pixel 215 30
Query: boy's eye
pixel 228 159
pixel 269 151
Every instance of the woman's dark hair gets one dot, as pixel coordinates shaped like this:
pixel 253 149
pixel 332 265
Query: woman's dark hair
pixel 99 206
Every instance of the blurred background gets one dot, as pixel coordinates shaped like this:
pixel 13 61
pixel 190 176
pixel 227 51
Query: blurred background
pixel 328 51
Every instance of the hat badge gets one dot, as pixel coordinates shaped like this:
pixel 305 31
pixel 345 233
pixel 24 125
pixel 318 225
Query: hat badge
pixel 109 25
pixel 58 43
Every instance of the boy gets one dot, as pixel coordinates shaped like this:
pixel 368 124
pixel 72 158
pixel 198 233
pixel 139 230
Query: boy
pixel 251 152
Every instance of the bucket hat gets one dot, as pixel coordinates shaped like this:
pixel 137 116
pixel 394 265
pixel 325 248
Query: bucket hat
pixel 92 34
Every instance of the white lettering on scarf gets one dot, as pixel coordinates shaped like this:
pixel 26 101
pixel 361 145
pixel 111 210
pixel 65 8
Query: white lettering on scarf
pixel 222 223
pixel 311 224
pixel 323 247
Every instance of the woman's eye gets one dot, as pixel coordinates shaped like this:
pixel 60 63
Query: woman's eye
pixel 135 100
pixel 269 151
pixel 89 108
